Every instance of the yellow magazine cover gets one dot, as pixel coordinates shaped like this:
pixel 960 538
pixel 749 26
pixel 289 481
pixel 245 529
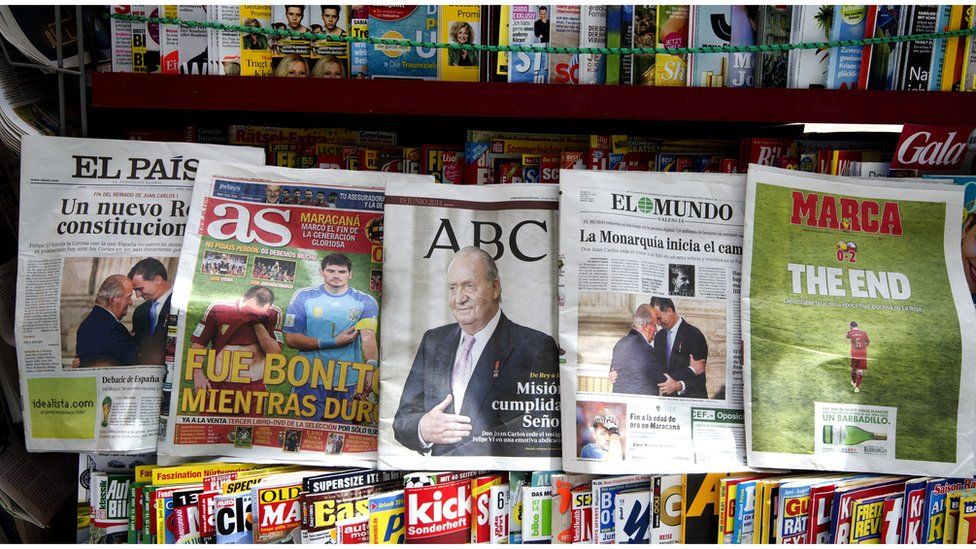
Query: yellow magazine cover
pixel 459 24
pixel 245 481
pixel 194 473
pixel 700 501
pixel 672 32
pixel 951 518
pixel 954 49
pixel 386 518
pixel 766 519
pixel 501 65
pixel 255 48
pixel 967 517
pixel 144 473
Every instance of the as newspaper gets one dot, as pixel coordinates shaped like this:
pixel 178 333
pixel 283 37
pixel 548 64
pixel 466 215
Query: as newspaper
pixel 277 340
pixel 470 374
pixel 649 322
pixel 858 326
pixel 101 227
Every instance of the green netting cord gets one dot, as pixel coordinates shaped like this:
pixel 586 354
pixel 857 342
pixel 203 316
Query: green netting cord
pixel 545 49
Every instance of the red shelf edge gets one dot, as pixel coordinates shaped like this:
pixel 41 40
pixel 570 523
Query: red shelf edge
pixel 527 101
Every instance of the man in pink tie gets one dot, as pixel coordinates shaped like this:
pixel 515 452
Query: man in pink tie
pixel 461 369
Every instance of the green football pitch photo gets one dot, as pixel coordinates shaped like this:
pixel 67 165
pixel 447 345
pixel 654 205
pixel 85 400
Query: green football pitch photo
pixel 800 353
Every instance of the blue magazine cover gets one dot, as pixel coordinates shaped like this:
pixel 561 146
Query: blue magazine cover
pixel 403 23
pixel 935 503
pixel 528 25
pixel 745 512
pixel 844 63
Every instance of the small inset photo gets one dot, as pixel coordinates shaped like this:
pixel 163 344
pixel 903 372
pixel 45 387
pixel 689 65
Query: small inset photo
pixel 243 437
pixel 275 270
pixel 601 430
pixel 681 280
pixel 218 263
pixel 291 440
pixel 376 280
pixel 335 443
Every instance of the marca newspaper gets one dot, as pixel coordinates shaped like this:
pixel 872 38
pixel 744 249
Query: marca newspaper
pixel 92 211
pixel 277 342
pixel 470 375
pixel 649 322
pixel 858 326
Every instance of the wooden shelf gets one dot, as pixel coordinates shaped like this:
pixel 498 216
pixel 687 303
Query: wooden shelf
pixel 413 98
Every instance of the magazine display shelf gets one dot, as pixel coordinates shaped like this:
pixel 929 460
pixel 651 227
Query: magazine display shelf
pixel 528 101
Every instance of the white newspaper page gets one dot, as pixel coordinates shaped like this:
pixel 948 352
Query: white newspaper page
pixel 858 325
pixel 470 360
pixel 101 227
pixel 649 322
pixel 278 300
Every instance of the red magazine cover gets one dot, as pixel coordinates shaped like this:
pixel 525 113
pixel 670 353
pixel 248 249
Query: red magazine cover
pixel 432 161
pixel 549 168
pixel 870 18
pixel 936 149
pixel 438 507
pixel 481 505
pixel 764 151
pixel 582 513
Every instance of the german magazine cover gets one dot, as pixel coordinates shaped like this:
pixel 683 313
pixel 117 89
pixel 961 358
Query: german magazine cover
pixel 101 227
pixel 858 325
pixel 649 322
pixel 277 340
pixel 471 373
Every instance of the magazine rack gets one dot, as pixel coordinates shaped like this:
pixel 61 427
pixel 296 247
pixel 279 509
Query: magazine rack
pixel 61 71
pixel 487 100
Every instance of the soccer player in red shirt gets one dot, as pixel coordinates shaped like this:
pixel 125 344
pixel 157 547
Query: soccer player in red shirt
pixel 859 354
pixel 251 324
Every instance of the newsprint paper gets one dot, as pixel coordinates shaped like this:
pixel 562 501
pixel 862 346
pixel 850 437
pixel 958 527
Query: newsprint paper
pixel 101 227
pixel 277 338
pixel 649 322
pixel 470 371
pixel 858 326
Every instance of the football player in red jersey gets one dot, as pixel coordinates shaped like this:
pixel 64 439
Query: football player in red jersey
pixel 251 324
pixel 859 354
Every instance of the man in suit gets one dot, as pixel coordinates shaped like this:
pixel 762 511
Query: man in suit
pixel 683 350
pixel 151 283
pixel 462 368
pixel 634 366
pixel 102 339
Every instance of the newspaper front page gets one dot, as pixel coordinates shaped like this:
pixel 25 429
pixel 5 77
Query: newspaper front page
pixel 858 326
pixel 277 339
pixel 470 377
pixel 101 227
pixel 649 322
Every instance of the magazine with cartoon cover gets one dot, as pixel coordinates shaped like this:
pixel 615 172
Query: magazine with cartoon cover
pixel 649 322
pixel 471 381
pixel 277 339
pixel 840 275
pixel 101 226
